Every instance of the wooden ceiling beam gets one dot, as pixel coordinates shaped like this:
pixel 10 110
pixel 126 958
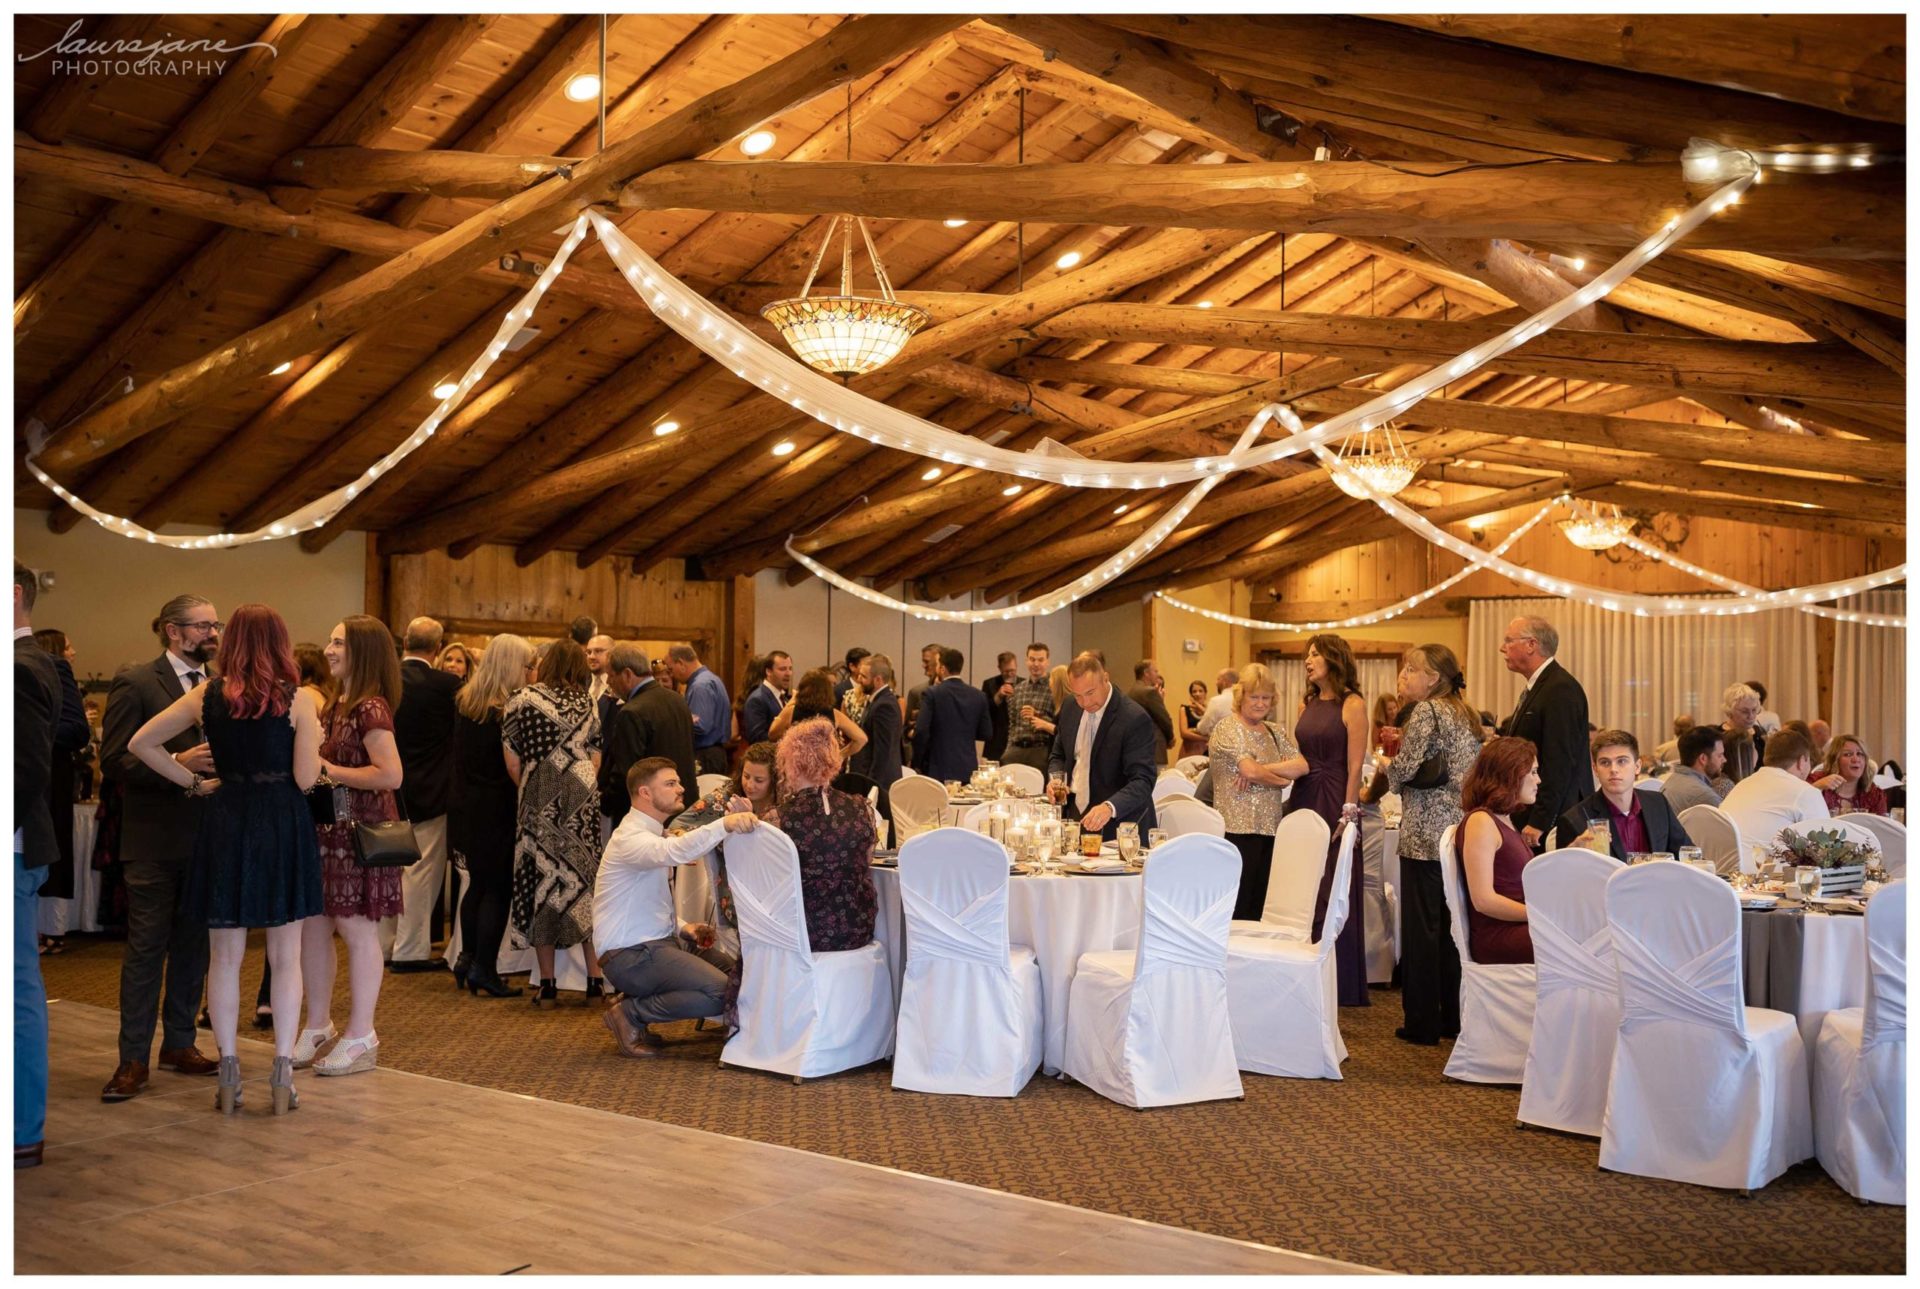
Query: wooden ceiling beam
pixel 441 172
pixel 1781 515
pixel 52 115
pixel 1881 288
pixel 1140 376
pixel 1855 215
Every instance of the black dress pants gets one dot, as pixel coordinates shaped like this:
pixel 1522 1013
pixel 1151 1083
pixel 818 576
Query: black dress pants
pixel 164 945
pixel 1429 964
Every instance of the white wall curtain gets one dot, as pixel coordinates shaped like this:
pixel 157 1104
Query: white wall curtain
pixel 1639 673
pixel 1870 677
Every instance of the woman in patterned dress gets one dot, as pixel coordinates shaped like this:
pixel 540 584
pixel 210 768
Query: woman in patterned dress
pixel 552 732
pixel 835 834
pixel 358 753
pixel 1252 762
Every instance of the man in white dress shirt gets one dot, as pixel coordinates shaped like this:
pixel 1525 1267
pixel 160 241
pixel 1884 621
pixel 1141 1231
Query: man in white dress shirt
pixel 1221 704
pixel 668 971
pixel 1777 795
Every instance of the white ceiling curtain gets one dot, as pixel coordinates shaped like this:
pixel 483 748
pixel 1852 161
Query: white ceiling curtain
pixel 1870 677
pixel 1639 673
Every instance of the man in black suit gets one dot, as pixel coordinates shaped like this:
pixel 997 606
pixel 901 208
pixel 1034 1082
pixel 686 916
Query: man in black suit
pixel 953 716
pixel 772 688
pixel 999 688
pixel 1640 819
pixel 36 710
pixel 879 760
pixel 652 721
pixel 1106 746
pixel 1552 715
pixel 423 731
pixel 1149 691
pixel 158 823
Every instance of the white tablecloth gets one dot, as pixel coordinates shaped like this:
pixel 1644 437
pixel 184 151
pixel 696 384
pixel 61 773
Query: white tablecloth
pixel 82 912
pixel 1829 973
pixel 1059 918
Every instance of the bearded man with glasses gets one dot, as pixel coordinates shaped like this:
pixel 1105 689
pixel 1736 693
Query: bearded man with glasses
pixel 164 944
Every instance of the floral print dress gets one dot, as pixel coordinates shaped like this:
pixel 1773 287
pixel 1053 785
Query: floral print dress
pixel 834 833
pixel 353 891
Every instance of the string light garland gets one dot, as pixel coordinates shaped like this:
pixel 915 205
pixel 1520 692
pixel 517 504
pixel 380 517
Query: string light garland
pixel 318 512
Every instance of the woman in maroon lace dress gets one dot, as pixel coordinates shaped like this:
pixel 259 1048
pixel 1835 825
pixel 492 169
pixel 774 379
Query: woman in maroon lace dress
pixel 1332 733
pixel 835 835
pixel 1492 854
pixel 358 753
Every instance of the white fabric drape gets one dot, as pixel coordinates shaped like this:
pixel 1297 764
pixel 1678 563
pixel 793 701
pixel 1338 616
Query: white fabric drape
pixel 1870 677
pixel 1639 673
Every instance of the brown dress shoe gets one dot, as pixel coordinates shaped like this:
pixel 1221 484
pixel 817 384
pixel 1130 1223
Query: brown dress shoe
pixel 632 1039
pixel 127 1082
pixel 30 1156
pixel 187 1060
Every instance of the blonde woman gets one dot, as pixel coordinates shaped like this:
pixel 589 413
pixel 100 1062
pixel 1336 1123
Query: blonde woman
pixel 1252 762
pixel 1845 778
pixel 485 812
pixel 456 659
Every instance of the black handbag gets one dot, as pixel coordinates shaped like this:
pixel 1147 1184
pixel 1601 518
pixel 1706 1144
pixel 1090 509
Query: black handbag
pixel 327 801
pixel 1431 774
pixel 387 844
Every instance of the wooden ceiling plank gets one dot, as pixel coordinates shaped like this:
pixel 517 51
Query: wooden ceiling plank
pixel 440 172
pixel 1760 514
pixel 54 112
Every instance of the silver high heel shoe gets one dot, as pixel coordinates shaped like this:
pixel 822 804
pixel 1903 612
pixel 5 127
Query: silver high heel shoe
pixel 285 1099
pixel 226 1097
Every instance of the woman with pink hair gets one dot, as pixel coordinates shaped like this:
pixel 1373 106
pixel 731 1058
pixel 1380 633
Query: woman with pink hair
pixel 834 833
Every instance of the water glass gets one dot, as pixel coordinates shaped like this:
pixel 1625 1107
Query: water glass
pixel 1069 836
pixel 1057 787
pixel 1126 838
pixel 1806 877
pixel 1156 838
pixel 1043 846
pixel 1602 831
pixel 954 788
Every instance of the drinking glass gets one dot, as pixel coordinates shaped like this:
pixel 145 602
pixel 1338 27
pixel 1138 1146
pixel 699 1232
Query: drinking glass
pixel 1690 854
pixel 1806 877
pixel 1127 838
pixel 953 787
pixel 1156 838
pixel 1057 787
pixel 1602 831
pixel 1876 867
pixel 1043 845
pixel 1069 837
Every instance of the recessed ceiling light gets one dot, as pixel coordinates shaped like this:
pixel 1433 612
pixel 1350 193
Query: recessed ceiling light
pixel 1120 509
pixel 956 223
pixel 583 88
pixel 1579 264
pixel 758 142
pixel 283 369
pixel 445 389
pixel 931 475
pixel 1011 490
pixel 784 448
pixel 1204 304
pixel 665 428
pixel 1068 260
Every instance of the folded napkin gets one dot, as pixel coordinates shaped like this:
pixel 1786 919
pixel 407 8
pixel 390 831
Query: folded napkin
pixel 1104 864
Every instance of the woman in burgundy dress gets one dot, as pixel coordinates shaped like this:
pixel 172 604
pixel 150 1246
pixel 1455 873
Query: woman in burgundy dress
pixel 1492 854
pixel 1332 733
pixel 359 754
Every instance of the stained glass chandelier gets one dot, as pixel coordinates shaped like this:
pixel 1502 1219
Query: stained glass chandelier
pixel 1378 456
pixel 846 334
pixel 1595 530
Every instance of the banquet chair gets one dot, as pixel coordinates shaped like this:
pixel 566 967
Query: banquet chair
pixel 973 816
pixel 1859 1067
pixel 919 805
pixel 1496 999
pixel 1380 901
pixel 1892 836
pixel 1183 815
pixel 1300 846
pixel 708 782
pixel 1719 840
pixel 1191 766
pixel 1171 783
pixel 1027 780
pixel 1282 996
pixel 1576 1010
pixel 971 1018
pixel 1148 1026
pixel 802 1013
pixel 1704 1089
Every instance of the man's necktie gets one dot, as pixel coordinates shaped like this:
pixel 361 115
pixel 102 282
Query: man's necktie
pixel 1083 763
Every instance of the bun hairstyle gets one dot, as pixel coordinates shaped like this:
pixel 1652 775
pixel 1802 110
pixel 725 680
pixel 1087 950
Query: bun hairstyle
pixel 174 613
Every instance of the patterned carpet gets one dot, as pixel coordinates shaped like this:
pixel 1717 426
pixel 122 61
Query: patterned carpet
pixel 1395 1167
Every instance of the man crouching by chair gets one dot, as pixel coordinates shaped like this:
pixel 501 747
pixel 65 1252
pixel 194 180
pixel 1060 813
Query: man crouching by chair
pixel 667 971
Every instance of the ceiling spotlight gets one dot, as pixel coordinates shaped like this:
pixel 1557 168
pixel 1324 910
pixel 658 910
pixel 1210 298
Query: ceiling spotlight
pixel 1204 304
pixel 1068 260
pixel 1011 490
pixel 1579 265
pixel 665 428
pixel 583 88
pixel 760 141
pixel 931 475
pixel 1120 509
pixel 446 389
pixel 282 369
pixel 784 448
pixel 955 223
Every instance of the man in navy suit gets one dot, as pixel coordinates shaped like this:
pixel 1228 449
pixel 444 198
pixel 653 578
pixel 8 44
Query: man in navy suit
pixel 769 695
pixel 953 716
pixel 1640 819
pixel 1108 748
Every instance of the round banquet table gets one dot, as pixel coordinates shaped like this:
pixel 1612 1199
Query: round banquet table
pixel 1805 963
pixel 1059 918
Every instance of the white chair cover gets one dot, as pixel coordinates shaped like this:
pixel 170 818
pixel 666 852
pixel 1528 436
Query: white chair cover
pixel 1892 835
pixel 1171 783
pixel 1191 766
pixel 1283 995
pixel 708 782
pixel 1300 846
pixel 1149 1027
pixel 1183 815
pixel 1704 1089
pixel 1855 826
pixel 970 1005
pixel 1576 1010
pixel 973 816
pixel 1380 901
pixel 801 1013
pixel 1496 999
pixel 1719 840
pixel 1859 1067
pixel 918 804
pixel 1028 780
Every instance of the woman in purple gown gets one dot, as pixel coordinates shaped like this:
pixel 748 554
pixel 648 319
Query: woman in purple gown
pixel 1331 732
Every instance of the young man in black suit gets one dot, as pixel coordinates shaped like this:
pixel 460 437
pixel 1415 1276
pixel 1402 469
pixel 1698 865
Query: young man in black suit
pixel 423 731
pixel 652 721
pixel 1640 819
pixel 1552 715
pixel 999 688
pixel 1107 747
pixel 156 845
pixel 953 717
pixel 879 760
pixel 36 710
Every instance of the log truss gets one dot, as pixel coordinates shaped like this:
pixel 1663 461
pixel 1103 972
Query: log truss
pixel 1131 231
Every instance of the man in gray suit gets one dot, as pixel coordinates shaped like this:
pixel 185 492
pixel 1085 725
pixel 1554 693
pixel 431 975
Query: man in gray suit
pixel 156 844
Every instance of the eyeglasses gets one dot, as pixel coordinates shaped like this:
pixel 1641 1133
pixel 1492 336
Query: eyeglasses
pixel 201 626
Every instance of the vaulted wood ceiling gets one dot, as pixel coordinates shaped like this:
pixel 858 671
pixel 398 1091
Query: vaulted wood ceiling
pixel 193 232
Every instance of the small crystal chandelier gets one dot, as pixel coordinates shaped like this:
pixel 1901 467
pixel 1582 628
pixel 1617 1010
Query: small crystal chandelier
pixel 1593 530
pixel 1383 462
pixel 846 334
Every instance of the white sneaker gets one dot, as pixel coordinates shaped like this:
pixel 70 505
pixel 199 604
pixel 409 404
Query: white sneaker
pixel 310 1043
pixel 350 1056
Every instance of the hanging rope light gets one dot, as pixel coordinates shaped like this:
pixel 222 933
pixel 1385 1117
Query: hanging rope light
pixel 1596 529
pixel 1383 462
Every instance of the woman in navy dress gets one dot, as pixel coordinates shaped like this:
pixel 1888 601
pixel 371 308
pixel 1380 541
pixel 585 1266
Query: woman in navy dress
pixel 256 857
pixel 1332 733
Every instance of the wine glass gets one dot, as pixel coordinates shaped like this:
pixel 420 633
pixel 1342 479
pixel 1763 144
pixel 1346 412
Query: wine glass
pixel 1806 878
pixel 1126 838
